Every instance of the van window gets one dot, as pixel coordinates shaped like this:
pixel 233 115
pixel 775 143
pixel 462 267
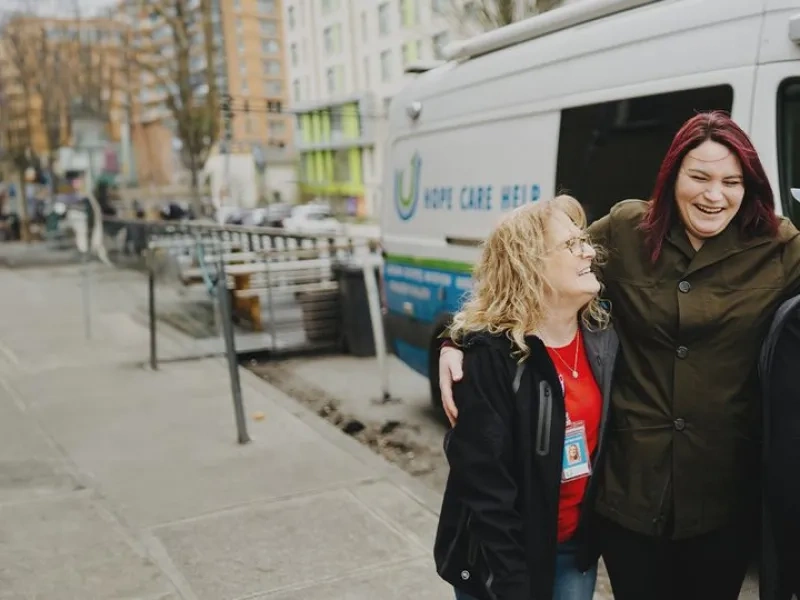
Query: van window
pixel 612 151
pixel 788 128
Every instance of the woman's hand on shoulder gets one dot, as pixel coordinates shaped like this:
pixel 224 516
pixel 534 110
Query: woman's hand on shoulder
pixel 451 370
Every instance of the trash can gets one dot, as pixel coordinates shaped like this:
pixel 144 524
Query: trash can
pixel 356 322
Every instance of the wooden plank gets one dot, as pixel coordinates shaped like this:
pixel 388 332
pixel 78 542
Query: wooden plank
pixel 279 267
pixel 293 289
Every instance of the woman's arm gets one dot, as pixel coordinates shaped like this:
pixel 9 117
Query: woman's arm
pixel 480 452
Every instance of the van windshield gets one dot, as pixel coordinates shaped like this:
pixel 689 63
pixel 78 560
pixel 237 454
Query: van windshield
pixel 789 147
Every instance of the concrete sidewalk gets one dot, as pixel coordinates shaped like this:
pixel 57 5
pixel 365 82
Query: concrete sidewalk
pixel 117 482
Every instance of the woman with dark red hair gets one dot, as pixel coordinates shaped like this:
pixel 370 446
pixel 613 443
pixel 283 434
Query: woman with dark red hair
pixel 694 276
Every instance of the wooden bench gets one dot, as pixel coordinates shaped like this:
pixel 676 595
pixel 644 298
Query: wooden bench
pixel 295 277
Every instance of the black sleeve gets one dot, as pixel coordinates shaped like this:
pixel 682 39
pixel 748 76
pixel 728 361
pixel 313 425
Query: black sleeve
pixel 782 470
pixel 480 453
pixel 791 266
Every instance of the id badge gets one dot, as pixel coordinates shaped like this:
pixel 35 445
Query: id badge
pixel 576 452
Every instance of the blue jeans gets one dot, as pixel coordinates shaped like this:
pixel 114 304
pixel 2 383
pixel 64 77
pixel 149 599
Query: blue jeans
pixel 570 583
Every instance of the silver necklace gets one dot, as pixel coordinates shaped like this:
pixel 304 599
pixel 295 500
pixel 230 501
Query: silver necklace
pixel 574 367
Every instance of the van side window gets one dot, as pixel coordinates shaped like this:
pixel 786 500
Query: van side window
pixel 788 128
pixel 611 151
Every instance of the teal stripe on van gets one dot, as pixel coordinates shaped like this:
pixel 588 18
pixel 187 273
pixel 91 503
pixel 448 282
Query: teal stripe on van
pixel 430 263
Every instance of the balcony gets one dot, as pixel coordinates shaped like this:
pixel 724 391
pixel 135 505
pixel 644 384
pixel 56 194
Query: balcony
pixel 346 123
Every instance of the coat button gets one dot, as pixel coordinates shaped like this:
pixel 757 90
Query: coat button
pixel 464 575
pixel 685 286
pixel 679 424
pixel 682 352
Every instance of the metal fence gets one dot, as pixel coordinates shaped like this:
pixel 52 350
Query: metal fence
pixel 283 289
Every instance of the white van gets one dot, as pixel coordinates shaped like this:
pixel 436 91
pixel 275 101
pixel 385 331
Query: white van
pixel 583 99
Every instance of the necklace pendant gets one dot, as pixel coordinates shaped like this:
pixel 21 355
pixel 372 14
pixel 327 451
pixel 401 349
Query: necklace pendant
pixel 574 374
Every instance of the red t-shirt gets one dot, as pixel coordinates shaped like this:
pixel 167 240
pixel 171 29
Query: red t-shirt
pixel 583 402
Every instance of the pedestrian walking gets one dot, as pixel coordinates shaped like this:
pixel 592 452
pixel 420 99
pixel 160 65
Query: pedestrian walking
pixel 533 413
pixel 694 276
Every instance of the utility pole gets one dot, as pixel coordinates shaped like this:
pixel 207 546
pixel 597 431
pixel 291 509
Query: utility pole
pixel 227 119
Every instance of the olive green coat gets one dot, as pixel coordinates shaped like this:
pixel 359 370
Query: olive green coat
pixel 685 430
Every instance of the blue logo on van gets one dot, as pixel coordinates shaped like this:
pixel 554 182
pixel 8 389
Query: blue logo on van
pixel 406 202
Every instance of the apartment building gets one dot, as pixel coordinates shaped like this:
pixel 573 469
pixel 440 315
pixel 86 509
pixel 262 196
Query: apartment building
pixel 249 63
pixel 346 60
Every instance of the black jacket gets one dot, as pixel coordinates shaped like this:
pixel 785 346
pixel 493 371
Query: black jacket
pixel 497 534
pixel 780 378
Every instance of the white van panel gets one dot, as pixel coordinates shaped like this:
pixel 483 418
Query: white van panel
pixel 666 40
pixel 776 45
pixel 468 176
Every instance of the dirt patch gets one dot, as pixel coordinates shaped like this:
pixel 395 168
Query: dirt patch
pixel 397 441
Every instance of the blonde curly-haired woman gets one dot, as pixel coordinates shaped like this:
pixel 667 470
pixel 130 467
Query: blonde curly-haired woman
pixel 533 406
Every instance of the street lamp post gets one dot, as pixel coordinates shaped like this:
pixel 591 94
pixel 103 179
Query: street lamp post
pixel 260 162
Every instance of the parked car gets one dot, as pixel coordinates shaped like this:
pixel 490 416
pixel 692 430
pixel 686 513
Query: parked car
pixel 313 219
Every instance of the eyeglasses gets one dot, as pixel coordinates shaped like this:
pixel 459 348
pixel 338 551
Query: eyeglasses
pixel 578 245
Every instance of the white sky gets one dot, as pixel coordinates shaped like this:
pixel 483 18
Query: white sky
pixel 55 7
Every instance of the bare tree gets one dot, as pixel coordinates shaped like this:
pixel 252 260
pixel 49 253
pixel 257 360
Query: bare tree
pixel 18 86
pixel 485 15
pixel 187 74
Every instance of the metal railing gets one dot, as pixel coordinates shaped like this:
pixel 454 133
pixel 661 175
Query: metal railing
pixel 268 290
pixel 132 237
pixel 283 289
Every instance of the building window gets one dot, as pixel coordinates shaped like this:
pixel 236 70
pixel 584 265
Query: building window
pixel 330 78
pixel 276 128
pixel 273 88
pixel 386 65
pixel 295 58
pixel 613 150
pixel 410 52
pixel 269 28
pixel 266 7
pixel 270 47
pixel 366 72
pixel 337 131
pixel 789 147
pixel 329 6
pixel 409 12
pixel 296 89
pixel 272 67
pixel 364 26
pixel 341 166
pixel 384 25
pixel 332 37
pixel 439 42
pixel 237 5
pixel 290 18
pixel 438 7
